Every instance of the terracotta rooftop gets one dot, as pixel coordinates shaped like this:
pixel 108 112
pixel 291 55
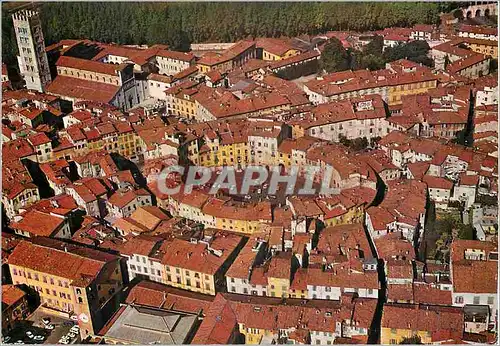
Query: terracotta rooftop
pixel 82 89
pixel 73 262
pixel 37 223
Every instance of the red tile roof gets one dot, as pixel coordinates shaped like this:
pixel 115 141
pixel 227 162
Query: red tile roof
pixel 274 46
pixel 477 29
pixel 121 199
pixel 81 89
pixel 11 294
pixel 171 54
pixel 142 245
pixel 437 182
pixel 38 139
pixel 212 59
pixel 76 263
pixel 473 276
pixel 468 61
pixel 197 257
pixel 442 322
pixel 87 65
pixel 161 296
pixel 38 224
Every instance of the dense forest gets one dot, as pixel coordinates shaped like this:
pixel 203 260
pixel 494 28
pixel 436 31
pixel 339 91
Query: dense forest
pixel 179 24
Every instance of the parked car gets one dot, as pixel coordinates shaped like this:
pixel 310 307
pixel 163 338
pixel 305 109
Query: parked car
pixel 49 326
pixel 75 329
pixel 6 339
pixel 38 338
pixel 30 334
pixel 74 317
pixel 63 341
pixel 45 320
pixel 71 335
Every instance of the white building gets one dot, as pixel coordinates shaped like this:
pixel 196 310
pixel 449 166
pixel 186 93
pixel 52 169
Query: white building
pixel 32 59
pixel 487 96
pixel 439 190
pixel 123 204
pixel 171 62
pixel 141 262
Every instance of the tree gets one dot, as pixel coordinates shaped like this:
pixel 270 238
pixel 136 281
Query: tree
pixel 493 65
pixel 334 56
pixel 415 51
pixel 411 340
pixel 359 144
pixel 375 46
pixel 465 232
pixel 458 13
pixel 162 22
pixel 371 62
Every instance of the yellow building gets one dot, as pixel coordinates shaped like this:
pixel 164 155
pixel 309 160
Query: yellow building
pixel 237 217
pixel 486 47
pixel 342 215
pixel 198 266
pixel 409 87
pixel 298 288
pixel 274 49
pixel 253 336
pixel 68 278
pixel 235 56
pixel 279 275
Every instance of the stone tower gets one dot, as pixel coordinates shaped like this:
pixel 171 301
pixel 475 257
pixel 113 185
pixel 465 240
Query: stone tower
pixel 32 58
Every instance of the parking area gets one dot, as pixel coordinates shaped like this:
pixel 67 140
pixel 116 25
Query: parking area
pixel 62 326
pixel 26 333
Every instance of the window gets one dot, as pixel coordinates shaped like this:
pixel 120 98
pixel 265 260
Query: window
pixel 477 300
pixel 393 331
pixel 491 300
